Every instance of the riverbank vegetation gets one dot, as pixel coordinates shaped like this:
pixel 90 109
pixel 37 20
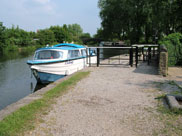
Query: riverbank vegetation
pixel 173 42
pixel 15 39
pixel 24 118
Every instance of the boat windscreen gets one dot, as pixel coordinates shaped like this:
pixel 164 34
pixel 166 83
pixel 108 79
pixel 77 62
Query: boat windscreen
pixel 48 54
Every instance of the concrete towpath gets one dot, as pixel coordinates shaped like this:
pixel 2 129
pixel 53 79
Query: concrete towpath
pixel 112 101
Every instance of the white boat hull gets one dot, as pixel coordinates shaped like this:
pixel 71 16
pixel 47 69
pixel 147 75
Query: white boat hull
pixel 50 72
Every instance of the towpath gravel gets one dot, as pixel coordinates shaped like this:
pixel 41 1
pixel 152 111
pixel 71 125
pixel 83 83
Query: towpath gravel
pixel 112 101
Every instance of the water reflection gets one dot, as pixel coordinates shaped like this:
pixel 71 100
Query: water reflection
pixel 16 81
pixel 106 53
pixel 36 87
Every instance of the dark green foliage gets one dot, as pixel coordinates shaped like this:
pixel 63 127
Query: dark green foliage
pixel 173 42
pixel 75 31
pixel 15 39
pixel 85 37
pixel 139 21
pixel 61 34
pixel 2 37
pixel 45 36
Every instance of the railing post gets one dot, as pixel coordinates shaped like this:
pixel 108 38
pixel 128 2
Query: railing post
pixel 89 57
pixel 158 53
pixel 153 51
pixel 98 57
pixel 131 57
pixel 143 54
pixel 136 56
pixel 149 55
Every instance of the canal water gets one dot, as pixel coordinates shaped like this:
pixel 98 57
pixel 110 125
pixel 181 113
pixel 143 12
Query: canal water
pixel 16 80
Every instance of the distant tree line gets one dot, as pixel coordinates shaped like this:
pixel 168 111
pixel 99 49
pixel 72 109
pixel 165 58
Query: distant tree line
pixel 14 37
pixel 139 21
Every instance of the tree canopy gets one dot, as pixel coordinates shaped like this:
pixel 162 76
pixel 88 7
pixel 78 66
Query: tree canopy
pixel 140 21
pixel 15 37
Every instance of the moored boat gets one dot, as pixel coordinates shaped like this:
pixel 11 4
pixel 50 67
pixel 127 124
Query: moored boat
pixel 52 63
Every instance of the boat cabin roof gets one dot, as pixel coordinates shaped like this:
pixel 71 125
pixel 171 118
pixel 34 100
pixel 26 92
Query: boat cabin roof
pixel 63 46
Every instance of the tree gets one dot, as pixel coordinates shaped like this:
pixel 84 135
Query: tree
pixel 75 31
pixel 13 38
pixel 61 34
pixel 2 38
pixel 85 37
pixel 18 37
pixel 45 37
pixel 140 20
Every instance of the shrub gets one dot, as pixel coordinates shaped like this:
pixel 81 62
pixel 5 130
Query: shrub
pixel 173 42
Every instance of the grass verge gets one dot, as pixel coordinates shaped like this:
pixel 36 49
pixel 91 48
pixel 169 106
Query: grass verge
pixel 171 120
pixel 24 118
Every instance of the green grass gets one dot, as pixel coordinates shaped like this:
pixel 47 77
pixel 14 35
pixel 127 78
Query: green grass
pixel 171 120
pixel 24 118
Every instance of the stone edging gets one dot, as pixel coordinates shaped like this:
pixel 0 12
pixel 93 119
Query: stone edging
pixel 31 97
pixel 173 103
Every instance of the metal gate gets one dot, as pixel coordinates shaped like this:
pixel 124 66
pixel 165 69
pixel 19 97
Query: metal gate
pixel 123 55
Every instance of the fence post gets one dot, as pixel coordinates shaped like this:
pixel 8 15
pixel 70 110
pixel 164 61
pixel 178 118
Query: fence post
pixel 98 57
pixel 143 54
pixel 89 57
pixel 163 61
pixel 158 53
pixel 131 57
pixel 136 56
pixel 149 55
pixel 154 51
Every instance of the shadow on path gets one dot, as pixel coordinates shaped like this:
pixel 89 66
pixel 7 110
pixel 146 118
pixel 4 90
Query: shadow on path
pixel 143 68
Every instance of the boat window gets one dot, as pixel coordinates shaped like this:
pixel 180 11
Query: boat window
pixel 73 54
pixel 48 54
pixel 84 53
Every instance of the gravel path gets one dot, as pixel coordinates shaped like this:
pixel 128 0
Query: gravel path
pixel 112 101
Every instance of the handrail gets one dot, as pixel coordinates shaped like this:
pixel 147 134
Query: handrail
pixel 111 47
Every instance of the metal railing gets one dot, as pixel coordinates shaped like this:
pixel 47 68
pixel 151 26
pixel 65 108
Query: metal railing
pixel 135 52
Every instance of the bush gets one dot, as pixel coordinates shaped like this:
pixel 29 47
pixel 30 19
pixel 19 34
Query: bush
pixel 173 42
pixel 9 48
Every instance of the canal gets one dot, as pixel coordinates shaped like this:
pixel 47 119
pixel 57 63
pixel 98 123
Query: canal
pixel 16 80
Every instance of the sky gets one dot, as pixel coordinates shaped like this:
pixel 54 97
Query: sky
pixel 32 15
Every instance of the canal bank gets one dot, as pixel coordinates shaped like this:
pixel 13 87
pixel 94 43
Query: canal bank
pixel 112 100
pixel 31 97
